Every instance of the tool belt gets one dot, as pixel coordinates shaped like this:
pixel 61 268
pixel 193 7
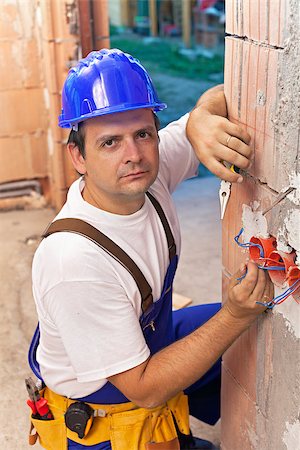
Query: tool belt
pixel 125 425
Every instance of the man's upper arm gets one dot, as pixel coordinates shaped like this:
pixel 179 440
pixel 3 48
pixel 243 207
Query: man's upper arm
pixel 177 158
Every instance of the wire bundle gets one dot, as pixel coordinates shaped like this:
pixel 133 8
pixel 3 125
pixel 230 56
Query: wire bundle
pixel 262 264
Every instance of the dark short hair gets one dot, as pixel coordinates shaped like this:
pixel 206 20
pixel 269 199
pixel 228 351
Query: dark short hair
pixel 78 137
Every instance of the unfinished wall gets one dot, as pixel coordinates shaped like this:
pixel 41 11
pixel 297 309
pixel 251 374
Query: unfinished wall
pixel 39 41
pixel 36 50
pixel 24 117
pixel 261 390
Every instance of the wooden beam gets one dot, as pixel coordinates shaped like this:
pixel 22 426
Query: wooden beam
pixel 186 22
pixel 153 17
pixel 101 24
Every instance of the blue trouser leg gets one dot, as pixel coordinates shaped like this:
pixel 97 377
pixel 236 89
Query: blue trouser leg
pixel 74 446
pixel 204 395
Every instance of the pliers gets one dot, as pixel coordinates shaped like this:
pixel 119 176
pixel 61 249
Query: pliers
pixel 224 194
pixel 225 189
pixel 39 405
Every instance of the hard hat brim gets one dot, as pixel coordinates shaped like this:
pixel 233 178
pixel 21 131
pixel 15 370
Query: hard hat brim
pixel 64 123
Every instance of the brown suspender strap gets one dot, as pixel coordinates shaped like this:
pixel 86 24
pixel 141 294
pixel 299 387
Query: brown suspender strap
pixel 164 221
pixel 86 230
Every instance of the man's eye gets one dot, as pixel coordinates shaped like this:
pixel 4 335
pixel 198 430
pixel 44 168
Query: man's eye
pixel 108 143
pixel 143 134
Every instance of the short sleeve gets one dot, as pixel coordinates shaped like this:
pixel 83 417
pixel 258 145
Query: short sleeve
pixel 178 161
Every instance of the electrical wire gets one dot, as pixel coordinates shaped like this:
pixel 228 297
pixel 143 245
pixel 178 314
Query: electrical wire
pixel 279 298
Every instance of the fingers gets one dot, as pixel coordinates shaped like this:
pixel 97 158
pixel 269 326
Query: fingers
pixel 250 281
pixel 238 146
pixel 240 274
pixel 235 130
pixel 222 172
pixel 260 287
pixel 234 157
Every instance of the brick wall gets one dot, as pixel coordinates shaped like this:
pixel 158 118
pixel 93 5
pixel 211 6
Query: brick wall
pixel 260 388
pixel 39 42
pixel 24 118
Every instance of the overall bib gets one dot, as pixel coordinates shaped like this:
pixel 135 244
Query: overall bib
pixel 161 327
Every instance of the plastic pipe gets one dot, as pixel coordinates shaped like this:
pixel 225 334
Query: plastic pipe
pixel 293 275
pixel 268 245
pixel 280 259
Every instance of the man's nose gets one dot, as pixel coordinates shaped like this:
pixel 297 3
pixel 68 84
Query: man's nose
pixel 132 152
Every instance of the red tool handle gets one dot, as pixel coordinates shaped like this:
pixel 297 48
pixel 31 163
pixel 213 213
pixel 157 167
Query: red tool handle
pixel 31 404
pixel 43 409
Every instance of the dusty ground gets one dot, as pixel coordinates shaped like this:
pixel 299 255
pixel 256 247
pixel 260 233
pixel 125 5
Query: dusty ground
pixel 199 277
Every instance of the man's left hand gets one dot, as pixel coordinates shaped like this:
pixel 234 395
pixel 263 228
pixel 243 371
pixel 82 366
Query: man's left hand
pixel 215 140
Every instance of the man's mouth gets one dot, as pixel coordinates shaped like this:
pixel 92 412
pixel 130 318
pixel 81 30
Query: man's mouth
pixel 135 174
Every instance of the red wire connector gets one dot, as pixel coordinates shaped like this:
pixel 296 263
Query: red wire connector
pixel 261 245
pixel 280 259
pixel 293 278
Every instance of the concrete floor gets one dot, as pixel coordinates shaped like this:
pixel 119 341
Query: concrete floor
pixel 198 277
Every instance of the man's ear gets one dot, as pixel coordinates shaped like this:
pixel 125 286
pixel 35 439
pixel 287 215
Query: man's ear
pixel 77 158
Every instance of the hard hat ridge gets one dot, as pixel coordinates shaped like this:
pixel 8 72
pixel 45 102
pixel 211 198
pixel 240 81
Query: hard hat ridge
pixel 106 82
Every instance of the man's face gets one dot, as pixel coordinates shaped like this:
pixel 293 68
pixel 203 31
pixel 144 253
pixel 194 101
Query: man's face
pixel 121 159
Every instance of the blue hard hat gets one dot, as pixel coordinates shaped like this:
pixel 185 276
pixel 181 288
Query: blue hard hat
pixel 106 82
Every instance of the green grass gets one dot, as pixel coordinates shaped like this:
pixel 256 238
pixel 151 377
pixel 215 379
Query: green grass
pixel 163 56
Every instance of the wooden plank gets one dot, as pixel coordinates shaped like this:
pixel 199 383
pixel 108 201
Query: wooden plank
pixel 180 301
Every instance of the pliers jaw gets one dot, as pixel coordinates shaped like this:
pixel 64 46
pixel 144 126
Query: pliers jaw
pixel 224 194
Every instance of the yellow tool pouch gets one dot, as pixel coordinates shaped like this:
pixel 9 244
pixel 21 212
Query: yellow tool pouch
pixel 125 425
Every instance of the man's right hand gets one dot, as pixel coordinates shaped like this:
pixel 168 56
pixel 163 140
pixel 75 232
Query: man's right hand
pixel 256 286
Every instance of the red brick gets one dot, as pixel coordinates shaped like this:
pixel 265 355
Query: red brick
pixel 244 84
pixel 24 112
pixel 251 95
pixel 46 13
pixel 264 21
pixel 269 158
pixel 32 70
pixel 19 64
pixel 229 8
pixel 240 361
pixel 10 69
pixel 246 17
pixel 54 26
pixel 260 112
pixel 254 21
pixel 50 62
pixel 276 21
pixel 238 414
pixel 234 106
pixel 60 26
pixel 232 254
pixel 10 24
pixel 23 157
pixel 229 43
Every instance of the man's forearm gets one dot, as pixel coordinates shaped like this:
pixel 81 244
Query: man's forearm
pixel 182 363
pixel 178 366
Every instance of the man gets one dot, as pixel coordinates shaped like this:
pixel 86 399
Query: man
pixel 108 337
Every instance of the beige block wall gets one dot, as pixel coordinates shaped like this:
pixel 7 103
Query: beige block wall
pixel 24 118
pixel 36 50
pixel 261 389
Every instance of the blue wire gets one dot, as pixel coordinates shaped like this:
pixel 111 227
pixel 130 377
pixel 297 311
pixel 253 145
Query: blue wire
pixel 286 293
pixel 275 300
pixel 271 267
pixel 248 244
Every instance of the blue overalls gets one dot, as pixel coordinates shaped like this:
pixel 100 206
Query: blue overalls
pixel 161 327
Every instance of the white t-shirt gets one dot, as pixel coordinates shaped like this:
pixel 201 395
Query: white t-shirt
pixel 88 304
